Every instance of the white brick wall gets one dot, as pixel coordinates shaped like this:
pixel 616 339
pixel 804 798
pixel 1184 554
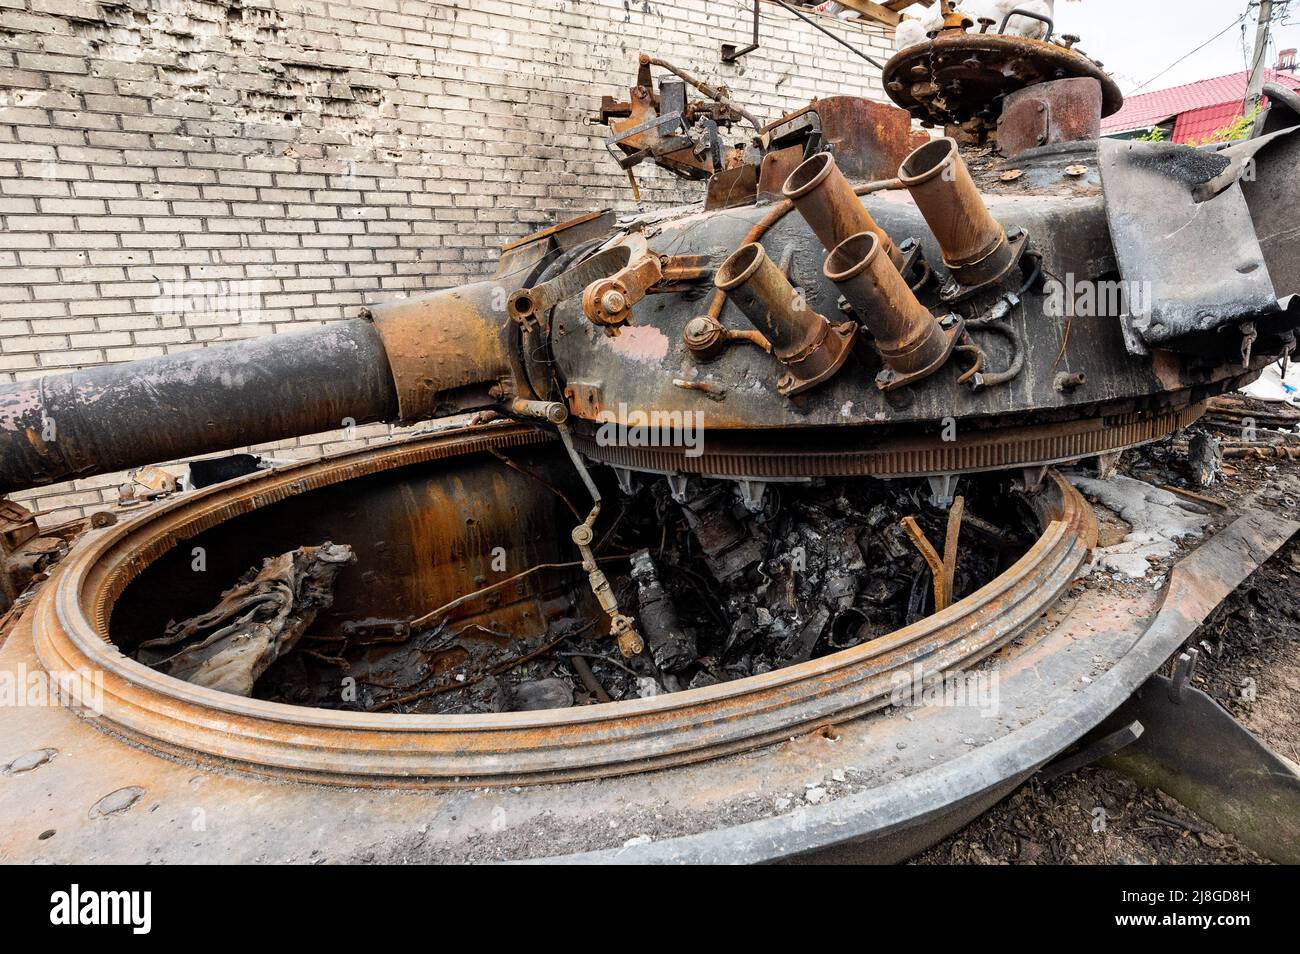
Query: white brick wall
pixel 180 172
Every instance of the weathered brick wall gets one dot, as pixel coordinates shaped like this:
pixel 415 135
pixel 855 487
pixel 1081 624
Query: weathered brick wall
pixel 175 173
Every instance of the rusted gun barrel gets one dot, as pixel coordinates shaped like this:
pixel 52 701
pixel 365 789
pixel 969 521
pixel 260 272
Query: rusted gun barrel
pixel 101 419
pixel 414 359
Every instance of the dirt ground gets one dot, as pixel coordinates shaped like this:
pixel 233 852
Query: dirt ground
pixel 1062 822
pixel 1249 663
pixel 1252 646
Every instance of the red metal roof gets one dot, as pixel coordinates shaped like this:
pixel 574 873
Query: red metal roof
pixel 1197 125
pixel 1202 108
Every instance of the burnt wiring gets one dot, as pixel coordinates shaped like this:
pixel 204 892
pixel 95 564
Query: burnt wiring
pixel 995 323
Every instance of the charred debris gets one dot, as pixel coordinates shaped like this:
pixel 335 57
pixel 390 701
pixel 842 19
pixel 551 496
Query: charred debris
pixel 720 591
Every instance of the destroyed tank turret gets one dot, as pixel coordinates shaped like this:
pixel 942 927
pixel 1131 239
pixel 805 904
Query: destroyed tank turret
pixel 1086 297
pixel 746 389
pixel 851 300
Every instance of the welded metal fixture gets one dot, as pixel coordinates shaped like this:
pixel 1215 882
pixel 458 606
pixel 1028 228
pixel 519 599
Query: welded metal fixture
pixel 530 305
pixel 867 139
pixel 977 250
pixel 664 126
pixel 445 351
pixel 1046 114
pixel 1192 748
pixel 913 343
pixel 609 301
pixel 731 53
pixel 959 79
pixel 1226 265
pixel 705 337
pixel 810 347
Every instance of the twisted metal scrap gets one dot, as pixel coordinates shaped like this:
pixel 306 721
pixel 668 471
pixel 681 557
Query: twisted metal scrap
pixel 943 569
pixel 257 621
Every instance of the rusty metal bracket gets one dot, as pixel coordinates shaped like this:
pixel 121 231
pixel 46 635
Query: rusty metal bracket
pixel 953 328
pixel 932 558
pixel 528 305
pixel 1066 110
pixel 727 110
pixel 1093 751
pixel 730 53
pixel 656 126
pixel 608 302
pixel 705 337
pixel 967 280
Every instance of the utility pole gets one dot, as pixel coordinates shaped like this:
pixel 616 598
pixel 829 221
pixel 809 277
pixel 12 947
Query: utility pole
pixel 1259 62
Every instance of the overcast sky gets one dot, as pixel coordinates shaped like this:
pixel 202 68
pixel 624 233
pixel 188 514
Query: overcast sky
pixel 1137 39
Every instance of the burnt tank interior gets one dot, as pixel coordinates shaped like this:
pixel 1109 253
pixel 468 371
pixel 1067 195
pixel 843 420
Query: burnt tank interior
pixel 822 568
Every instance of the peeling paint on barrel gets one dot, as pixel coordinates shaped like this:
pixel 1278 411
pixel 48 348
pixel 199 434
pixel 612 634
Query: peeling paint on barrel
pixel 643 343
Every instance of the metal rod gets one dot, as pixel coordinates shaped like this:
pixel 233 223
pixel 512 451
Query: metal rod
pixel 932 558
pixel 588 678
pixel 1017 12
pixel 621 627
pixel 817 26
pixel 718 94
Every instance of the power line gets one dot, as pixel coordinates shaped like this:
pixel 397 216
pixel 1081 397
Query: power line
pixel 1239 19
